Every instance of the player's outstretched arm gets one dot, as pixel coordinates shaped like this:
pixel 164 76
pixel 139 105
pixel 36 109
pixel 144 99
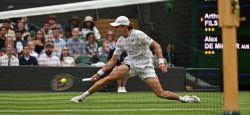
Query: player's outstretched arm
pixel 108 66
pixel 158 52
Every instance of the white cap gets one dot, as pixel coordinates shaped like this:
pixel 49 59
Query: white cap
pixel 121 20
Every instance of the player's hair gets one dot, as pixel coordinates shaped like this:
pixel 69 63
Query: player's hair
pixel 130 27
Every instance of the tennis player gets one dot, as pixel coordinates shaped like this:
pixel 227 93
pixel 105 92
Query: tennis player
pixel 138 63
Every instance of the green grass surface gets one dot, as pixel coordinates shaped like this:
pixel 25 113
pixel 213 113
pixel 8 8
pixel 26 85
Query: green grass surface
pixel 24 103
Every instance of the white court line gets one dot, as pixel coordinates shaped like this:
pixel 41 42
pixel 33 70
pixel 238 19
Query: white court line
pixel 63 100
pixel 104 110
pixel 244 103
pixel 109 110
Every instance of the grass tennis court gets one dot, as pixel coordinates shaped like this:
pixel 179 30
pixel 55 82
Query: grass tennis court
pixel 26 103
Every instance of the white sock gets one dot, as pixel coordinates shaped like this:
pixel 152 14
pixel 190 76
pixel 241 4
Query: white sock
pixel 85 94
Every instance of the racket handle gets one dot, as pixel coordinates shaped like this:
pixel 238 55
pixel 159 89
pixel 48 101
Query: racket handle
pixel 86 79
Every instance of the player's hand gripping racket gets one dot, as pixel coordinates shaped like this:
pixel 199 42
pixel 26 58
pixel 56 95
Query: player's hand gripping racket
pixel 63 81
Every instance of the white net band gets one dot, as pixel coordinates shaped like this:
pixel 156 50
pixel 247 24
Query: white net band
pixel 63 8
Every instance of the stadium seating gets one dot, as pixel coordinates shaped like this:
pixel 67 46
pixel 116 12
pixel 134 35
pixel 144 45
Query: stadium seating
pixel 83 59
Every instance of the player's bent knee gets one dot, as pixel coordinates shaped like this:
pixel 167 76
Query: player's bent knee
pixel 122 68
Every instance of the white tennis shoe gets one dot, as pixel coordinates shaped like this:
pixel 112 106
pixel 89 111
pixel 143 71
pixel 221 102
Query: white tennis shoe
pixel 190 99
pixel 195 99
pixel 124 90
pixel 119 90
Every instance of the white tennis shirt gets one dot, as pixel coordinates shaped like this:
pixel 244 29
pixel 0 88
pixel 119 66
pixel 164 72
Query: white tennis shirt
pixel 137 46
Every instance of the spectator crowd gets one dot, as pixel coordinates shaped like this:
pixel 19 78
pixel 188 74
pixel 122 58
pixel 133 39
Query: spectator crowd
pixel 51 44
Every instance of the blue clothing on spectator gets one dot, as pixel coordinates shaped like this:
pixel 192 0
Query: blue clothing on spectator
pixel 76 46
pixel 31 61
pixel 59 43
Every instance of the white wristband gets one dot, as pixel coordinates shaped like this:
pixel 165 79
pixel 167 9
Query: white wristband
pixel 161 61
pixel 100 72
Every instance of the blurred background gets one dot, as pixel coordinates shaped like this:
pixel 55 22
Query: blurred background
pixel 187 30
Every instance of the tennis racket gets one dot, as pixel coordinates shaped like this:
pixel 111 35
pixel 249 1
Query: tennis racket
pixel 56 83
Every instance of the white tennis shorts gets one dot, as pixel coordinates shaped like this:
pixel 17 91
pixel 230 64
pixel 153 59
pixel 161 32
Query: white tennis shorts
pixel 146 72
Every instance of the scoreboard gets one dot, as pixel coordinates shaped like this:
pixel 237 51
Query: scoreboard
pixel 208 37
pixel 210 33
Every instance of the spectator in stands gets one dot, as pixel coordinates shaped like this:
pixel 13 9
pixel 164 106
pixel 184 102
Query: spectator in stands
pixel 13 20
pixel 28 25
pixel 110 39
pixel 9 59
pixel 53 24
pixel 32 49
pixel 26 58
pixel 59 43
pixel 3 32
pixel 9 28
pixel 8 40
pixel 19 43
pixel 46 30
pixel 1 53
pixel 76 46
pixel 39 41
pixel 89 26
pixel 73 22
pixel 50 40
pixel 121 83
pixel 170 55
pixel 10 7
pixel 108 44
pixel 47 59
pixel 91 45
pixel 104 50
pixel 96 62
pixel 20 27
pixel 65 59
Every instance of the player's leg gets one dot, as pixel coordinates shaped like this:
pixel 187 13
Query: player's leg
pixel 151 79
pixel 155 85
pixel 116 74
